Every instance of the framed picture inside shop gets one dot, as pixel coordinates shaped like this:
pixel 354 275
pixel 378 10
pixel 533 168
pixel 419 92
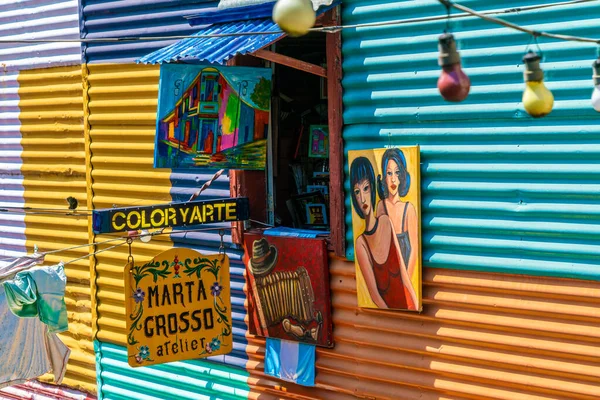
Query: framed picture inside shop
pixel 289 296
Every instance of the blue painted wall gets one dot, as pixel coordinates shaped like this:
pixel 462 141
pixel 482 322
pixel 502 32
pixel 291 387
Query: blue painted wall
pixel 501 191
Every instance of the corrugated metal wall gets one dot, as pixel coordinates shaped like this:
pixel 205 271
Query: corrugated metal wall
pixel 121 124
pixel 128 18
pixel 42 154
pixel 501 191
pixel 51 115
pixel 12 225
pixel 481 336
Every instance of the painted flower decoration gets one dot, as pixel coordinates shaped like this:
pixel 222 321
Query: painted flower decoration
pixel 215 344
pixel 208 348
pixel 144 352
pixel 216 289
pixel 139 295
pixel 139 359
pixel 176 266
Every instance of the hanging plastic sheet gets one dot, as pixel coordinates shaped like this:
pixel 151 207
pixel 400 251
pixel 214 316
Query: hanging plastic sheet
pixel 27 349
pixel 39 292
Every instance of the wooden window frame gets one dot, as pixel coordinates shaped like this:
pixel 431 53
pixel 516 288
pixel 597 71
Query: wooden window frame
pixel 243 183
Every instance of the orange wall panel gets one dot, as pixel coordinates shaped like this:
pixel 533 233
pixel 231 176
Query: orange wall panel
pixel 480 336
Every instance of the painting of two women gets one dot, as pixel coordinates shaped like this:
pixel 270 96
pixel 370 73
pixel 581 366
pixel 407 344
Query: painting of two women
pixel 384 185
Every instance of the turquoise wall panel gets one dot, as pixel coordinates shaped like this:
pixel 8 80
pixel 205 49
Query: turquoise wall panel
pixel 190 380
pixel 501 191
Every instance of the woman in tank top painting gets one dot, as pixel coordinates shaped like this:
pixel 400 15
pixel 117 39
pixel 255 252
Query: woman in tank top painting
pixel 403 215
pixel 377 250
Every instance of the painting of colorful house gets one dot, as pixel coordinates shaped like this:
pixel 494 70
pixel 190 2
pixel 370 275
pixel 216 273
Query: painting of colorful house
pixel 212 116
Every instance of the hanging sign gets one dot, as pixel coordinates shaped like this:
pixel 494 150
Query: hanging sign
pixel 178 307
pixel 170 215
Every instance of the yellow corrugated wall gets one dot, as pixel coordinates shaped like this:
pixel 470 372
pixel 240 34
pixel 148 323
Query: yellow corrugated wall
pixel 121 101
pixel 51 116
pixel 481 336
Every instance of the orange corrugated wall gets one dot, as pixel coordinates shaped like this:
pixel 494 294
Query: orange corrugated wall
pixel 480 336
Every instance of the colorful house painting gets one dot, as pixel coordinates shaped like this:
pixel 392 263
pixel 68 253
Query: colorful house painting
pixel 220 119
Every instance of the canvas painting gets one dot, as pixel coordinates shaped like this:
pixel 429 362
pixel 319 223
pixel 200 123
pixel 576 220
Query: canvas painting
pixel 316 214
pixel 386 224
pixel 288 283
pixel 318 141
pixel 212 117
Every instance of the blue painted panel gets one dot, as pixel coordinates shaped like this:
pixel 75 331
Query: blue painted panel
pixel 218 49
pixel 129 18
pixel 264 10
pixel 501 191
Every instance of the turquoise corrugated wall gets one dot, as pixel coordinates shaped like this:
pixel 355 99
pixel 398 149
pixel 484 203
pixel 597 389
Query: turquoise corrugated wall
pixel 501 191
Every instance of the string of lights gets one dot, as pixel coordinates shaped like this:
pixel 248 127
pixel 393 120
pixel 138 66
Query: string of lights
pixel 467 12
pixel 538 100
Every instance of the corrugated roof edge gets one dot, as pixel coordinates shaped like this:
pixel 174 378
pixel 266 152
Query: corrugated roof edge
pixel 220 49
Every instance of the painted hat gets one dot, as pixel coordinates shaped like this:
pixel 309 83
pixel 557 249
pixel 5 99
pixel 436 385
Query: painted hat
pixel 264 257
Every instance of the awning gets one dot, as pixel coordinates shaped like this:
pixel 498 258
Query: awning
pixel 220 49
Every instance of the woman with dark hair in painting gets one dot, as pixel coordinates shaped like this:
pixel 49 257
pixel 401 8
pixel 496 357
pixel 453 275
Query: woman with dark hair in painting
pixel 377 250
pixel 402 214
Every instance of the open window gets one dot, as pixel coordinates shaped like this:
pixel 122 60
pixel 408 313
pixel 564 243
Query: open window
pixel 302 188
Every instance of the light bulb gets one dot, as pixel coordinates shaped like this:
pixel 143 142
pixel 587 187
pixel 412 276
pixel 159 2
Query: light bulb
pixel 537 99
pixel 145 236
pixel 453 84
pixel 294 17
pixel 596 92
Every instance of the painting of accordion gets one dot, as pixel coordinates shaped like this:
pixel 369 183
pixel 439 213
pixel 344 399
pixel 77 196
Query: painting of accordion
pixel 288 288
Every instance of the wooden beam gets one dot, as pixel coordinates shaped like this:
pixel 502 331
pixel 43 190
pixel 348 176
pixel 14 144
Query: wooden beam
pixel 336 144
pixel 291 62
pixel 244 183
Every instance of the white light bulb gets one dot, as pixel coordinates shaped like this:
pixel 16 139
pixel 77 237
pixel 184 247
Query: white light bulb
pixel 596 98
pixel 145 236
pixel 295 17
pixel 596 79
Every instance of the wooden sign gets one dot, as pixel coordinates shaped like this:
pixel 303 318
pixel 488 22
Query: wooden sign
pixel 288 283
pixel 170 215
pixel 178 307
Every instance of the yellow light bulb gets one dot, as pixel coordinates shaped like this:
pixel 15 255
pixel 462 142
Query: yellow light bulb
pixel 537 99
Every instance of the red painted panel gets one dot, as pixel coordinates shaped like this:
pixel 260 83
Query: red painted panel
pixel 288 280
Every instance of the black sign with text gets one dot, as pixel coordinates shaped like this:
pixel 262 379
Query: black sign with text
pixel 170 215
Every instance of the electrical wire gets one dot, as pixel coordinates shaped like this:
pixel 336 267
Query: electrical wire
pixel 534 33
pixel 80 246
pixel 94 253
pixel 124 238
pixel 262 223
pixel 467 12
